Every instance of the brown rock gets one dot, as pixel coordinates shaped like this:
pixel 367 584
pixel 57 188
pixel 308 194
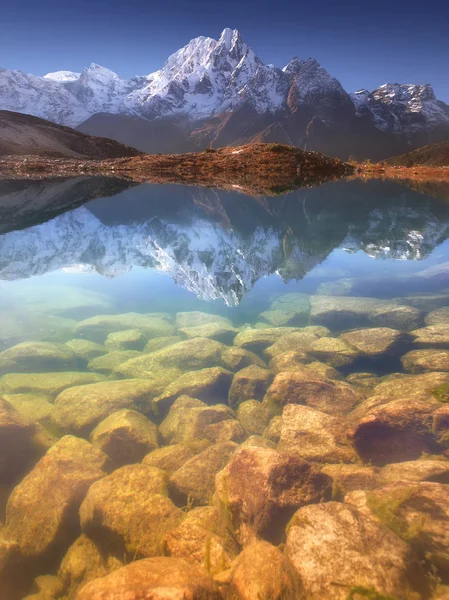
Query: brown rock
pixel 127 339
pixel 236 359
pixel 414 387
pixel 432 336
pixel 398 431
pixel 195 480
pixel 356 553
pixel 329 396
pixel 221 332
pixel 162 578
pixel 210 385
pixel 422 361
pixel 261 488
pixel 334 351
pixel 47 499
pixel 351 477
pixel 440 316
pixel 128 511
pixel 253 416
pixel 379 341
pixel 171 458
pixel 315 436
pixel 425 469
pixel 257 340
pixel 298 341
pixel 126 436
pixel 262 572
pixel 273 432
pixel 106 363
pixel 249 383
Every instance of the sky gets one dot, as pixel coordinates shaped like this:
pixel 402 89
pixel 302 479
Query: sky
pixel 362 44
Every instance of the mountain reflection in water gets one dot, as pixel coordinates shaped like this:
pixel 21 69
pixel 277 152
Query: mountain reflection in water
pixel 216 244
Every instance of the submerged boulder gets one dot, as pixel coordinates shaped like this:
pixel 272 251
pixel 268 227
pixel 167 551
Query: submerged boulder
pixel 34 357
pixel 257 340
pixel 197 318
pixel 128 339
pixel 162 578
pixel 195 480
pixel 47 499
pixel 85 350
pixel 249 383
pixel 440 316
pixel 329 396
pixel 334 352
pixel 171 458
pixel 235 359
pixel 126 436
pixel 79 409
pixel 253 416
pixel 315 436
pixel 414 387
pixel 210 385
pixel 260 489
pixel 128 511
pixel 357 553
pixel 99 327
pixel 45 383
pixel 37 408
pixel 376 342
pixel 434 469
pixel 432 336
pixel 106 363
pixel 284 318
pixel 220 332
pixel 159 343
pixel 423 361
pixel 83 562
pixel 296 302
pixel 262 572
pixel 298 341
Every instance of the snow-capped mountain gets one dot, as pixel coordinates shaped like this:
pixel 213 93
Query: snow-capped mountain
pixel 217 247
pixel 213 92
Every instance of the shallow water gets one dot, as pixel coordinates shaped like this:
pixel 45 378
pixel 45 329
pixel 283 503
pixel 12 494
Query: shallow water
pixel 351 257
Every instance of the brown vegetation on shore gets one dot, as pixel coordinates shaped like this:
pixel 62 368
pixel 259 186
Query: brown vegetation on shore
pixel 253 168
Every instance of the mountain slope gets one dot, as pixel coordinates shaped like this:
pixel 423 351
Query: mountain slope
pixel 214 92
pixel 23 135
pixel 434 155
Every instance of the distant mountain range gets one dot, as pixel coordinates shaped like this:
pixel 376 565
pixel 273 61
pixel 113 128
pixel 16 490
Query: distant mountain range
pixel 218 244
pixel 218 92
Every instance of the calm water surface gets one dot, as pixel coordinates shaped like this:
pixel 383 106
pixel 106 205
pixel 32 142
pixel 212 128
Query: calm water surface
pixel 84 259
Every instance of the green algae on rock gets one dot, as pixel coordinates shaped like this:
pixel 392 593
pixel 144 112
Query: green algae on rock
pixel 50 384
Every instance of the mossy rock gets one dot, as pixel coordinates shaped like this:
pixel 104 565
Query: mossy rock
pixel 50 384
pixel 214 331
pixel 432 336
pixel 126 436
pixel 159 343
pixel 99 327
pixel 85 350
pixel 106 363
pixel 37 408
pixel 249 383
pixel 253 416
pixel 257 340
pixel 128 339
pixel 424 361
pixel 34 357
pixel 171 458
pixel 298 341
pixel 197 319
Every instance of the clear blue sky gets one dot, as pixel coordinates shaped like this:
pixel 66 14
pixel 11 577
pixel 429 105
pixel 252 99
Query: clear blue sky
pixel 362 44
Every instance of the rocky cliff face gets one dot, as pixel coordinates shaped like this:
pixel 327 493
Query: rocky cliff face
pixel 214 92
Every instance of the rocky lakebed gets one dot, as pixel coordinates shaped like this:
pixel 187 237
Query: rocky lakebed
pixel 180 456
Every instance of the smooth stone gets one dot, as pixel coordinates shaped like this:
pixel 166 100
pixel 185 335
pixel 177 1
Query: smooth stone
pixel 219 332
pixel 262 572
pixel 249 383
pixel 126 436
pixel 174 360
pixel 315 436
pixel 422 361
pixel 48 498
pixel 129 511
pixel 171 458
pixel 330 396
pixel 37 408
pixel 99 327
pixel 83 562
pixel 204 538
pixel 379 341
pixel 79 409
pixel 162 578
pixel 253 416
pixel 340 313
pixel 197 318
pixel 50 384
pixel 85 350
pixel 297 302
pixel 283 318
pixel 334 351
pixel 190 419
pixel 195 480
pixel 159 343
pixel 106 363
pixel 298 341
pixel 398 431
pixel 257 340
pixel 433 336
pixel 418 512
pixel 260 489
pixel 128 339
pixel 357 553
pixel 210 385
pixel 33 357
pixel 425 469
pixel 440 316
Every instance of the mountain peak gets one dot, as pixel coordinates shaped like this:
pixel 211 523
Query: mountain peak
pixel 229 37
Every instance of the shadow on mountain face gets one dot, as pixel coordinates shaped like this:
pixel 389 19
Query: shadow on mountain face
pixel 218 244
pixel 24 203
